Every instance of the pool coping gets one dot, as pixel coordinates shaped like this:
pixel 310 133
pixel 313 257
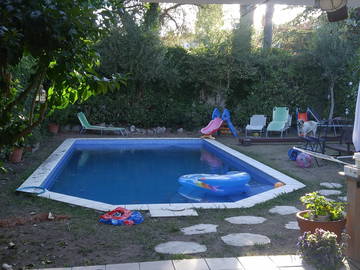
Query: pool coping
pixel 41 173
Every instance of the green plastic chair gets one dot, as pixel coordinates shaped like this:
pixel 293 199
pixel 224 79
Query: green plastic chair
pixel 281 120
pixel 85 125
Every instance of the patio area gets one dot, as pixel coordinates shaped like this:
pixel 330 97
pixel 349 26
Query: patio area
pixel 282 262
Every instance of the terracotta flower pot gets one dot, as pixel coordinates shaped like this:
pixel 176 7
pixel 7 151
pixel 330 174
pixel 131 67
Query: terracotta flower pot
pixel 310 225
pixel 53 128
pixel 16 155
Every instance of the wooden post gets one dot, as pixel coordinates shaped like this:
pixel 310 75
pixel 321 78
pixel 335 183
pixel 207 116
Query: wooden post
pixel 353 212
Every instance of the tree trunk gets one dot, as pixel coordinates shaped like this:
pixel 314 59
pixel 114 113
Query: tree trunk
pixel 268 27
pixel 5 139
pixel 152 17
pixel 243 33
pixel 332 98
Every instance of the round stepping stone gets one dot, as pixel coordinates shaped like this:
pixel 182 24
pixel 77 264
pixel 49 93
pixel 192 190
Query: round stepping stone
pixel 327 192
pixel 292 225
pixel 245 220
pixel 180 247
pixel 331 185
pixel 199 229
pixel 343 198
pixel 284 210
pixel 245 239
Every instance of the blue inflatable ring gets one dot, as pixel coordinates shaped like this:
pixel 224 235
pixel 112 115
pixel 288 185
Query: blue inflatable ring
pixel 292 154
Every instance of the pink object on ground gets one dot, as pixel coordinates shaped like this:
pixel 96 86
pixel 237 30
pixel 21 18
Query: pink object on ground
pixel 212 127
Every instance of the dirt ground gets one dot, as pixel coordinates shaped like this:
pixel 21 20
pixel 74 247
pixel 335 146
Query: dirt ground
pixel 82 240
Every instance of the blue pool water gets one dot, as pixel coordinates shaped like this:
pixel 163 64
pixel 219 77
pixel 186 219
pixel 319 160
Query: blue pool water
pixel 146 171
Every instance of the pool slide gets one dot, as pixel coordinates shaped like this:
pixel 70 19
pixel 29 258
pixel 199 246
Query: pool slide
pixel 226 117
pixel 216 122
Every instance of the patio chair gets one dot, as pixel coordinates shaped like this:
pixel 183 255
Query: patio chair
pixel 257 123
pixel 281 120
pixel 85 125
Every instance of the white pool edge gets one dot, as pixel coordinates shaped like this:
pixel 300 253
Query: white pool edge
pixel 41 173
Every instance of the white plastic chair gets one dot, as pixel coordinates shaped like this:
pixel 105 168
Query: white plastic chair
pixel 257 123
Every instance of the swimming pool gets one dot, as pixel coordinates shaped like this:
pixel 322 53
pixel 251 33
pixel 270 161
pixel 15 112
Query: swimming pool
pixel 143 173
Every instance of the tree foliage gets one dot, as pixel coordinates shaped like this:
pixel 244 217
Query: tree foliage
pixel 59 36
pixel 178 87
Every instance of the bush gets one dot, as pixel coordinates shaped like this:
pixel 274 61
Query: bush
pixel 321 249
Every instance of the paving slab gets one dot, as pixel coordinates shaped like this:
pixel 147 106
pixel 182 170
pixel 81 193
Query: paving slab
pixel 292 225
pixel 92 267
pixel 245 220
pixel 157 265
pixel 331 185
pixel 180 247
pixel 328 192
pixel 257 263
pixel 200 229
pixel 60 268
pixel 343 198
pixel 224 264
pixel 190 264
pixel 123 266
pixel 245 239
pixel 283 210
pixel 172 213
pixel 287 260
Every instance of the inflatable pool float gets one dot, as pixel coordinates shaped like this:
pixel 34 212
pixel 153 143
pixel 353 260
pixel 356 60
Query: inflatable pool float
pixel 121 216
pixel 224 184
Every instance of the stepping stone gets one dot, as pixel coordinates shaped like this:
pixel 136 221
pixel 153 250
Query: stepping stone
pixel 284 210
pixel 331 185
pixel 199 229
pixel 328 192
pixel 180 247
pixel 245 239
pixel 245 220
pixel 292 225
pixel 343 198
pixel 330 200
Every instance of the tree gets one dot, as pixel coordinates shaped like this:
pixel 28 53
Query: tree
pixel 332 52
pixel 243 32
pixel 209 21
pixel 268 26
pixel 60 36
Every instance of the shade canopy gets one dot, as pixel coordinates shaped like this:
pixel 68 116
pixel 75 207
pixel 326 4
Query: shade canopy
pixel 350 3
pixel 356 132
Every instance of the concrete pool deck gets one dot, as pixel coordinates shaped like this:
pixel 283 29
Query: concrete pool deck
pixel 279 262
pixel 40 175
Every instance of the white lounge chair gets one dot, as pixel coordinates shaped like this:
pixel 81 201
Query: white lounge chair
pixel 257 123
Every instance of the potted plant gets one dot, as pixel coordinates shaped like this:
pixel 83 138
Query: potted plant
pixel 321 213
pixel 32 141
pixel 16 152
pixel 56 118
pixel 322 249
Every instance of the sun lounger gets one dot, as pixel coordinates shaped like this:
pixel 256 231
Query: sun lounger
pixel 335 123
pixel 281 120
pixel 87 126
pixel 257 123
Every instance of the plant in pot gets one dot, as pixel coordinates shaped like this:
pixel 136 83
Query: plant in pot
pixel 16 152
pixel 322 249
pixel 321 213
pixel 56 118
pixel 32 142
